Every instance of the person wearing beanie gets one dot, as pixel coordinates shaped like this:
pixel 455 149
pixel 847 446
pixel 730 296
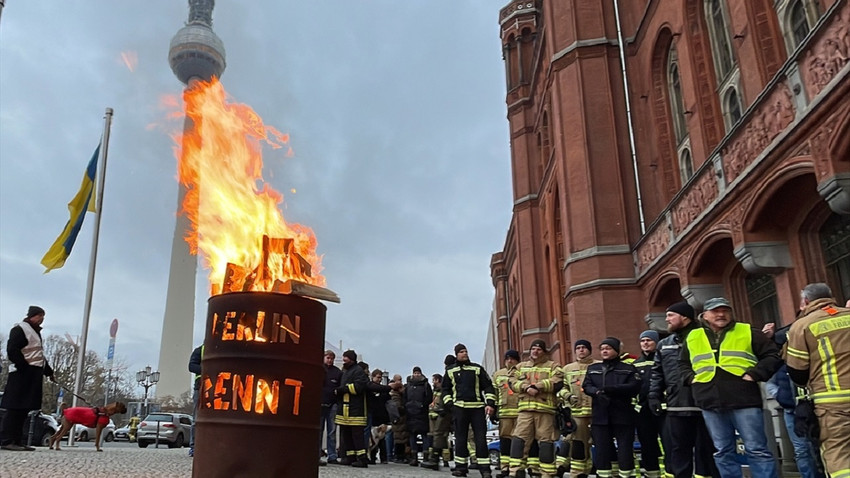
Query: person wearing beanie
pixel 417 395
pixel 26 374
pixel 576 457
pixel 724 361
pixel 469 394
pixel 508 408
pixel 687 445
pixel 649 425
pixel 537 381
pixel 613 385
pixel 352 411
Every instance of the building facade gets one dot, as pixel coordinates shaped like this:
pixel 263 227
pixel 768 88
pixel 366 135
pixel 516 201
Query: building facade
pixel 715 163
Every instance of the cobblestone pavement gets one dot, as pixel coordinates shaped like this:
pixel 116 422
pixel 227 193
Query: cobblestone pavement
pixel 131 461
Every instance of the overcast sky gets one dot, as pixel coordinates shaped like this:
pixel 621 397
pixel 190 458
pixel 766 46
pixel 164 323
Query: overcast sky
pixel 397 120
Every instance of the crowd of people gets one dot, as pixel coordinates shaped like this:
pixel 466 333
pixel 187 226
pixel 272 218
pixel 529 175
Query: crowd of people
pixel 693 398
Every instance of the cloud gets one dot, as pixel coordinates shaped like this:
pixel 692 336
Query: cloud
pixel 401 162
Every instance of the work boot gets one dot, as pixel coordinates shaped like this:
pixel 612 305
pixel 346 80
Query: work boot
pixel 459 472
pixel 486 474
pixel 361 462
pixel 432 461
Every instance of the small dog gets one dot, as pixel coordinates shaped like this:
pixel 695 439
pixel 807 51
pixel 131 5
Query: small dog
pixel 88 416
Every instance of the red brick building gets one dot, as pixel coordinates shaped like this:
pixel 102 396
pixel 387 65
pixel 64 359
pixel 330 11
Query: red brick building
pixel 736 182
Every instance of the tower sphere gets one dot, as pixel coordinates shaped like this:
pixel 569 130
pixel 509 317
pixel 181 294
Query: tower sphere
pixel 196 51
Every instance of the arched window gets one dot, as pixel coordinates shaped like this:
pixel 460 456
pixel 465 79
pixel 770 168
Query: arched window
pixel 674 87
pixel 686 165
pixel 796 18
pixel 719 33
pixel 732 107
pixel 798 23
pixel 761 294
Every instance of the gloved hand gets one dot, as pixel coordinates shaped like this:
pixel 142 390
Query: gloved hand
pixel 573 400
pixel 655 406
pixel 449 406
pixel 342 390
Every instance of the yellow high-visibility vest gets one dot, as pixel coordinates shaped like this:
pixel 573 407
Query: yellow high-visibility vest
pixel 736 353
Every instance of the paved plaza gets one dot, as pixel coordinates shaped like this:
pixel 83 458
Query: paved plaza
pixel 126 460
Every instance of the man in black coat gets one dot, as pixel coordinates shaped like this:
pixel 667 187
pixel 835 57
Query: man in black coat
pixel 417 396
pixel 613 385
pixel 691 449
pixel 24 385
pixel 329 386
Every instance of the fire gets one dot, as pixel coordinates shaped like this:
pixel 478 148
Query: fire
pixel 237 226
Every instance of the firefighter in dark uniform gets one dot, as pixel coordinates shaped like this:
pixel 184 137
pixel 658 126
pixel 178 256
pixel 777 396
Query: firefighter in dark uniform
pixel 613 385
pixel 351 411
pixel 818 356
pixel 649 425
pixel 469 394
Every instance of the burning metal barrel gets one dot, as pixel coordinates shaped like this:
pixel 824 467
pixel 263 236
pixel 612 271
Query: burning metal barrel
pixel 262 375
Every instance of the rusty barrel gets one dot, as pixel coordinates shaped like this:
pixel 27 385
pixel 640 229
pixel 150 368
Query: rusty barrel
pixel 261 385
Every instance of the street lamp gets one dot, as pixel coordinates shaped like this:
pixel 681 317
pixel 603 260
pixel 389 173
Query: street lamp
pixel 146 379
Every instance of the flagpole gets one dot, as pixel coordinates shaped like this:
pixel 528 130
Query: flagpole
pixel 101 178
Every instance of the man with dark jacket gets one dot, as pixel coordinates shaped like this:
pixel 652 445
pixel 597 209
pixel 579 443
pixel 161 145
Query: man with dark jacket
pixel 723 362
pixel 649 425
pixel 379 395
pixel 612 384
pixel 329 386
pixel 783 391
pixel 690 447
pixel 469 393
pixel 26 375
pixel 417 396
pixel 351 411
pixel 195 367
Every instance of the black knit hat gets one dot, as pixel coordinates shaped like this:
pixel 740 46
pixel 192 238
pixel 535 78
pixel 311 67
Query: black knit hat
pixel 538 343
pixel 512 354
pixel 417 369
pixel 682 308
pixel 459 347
pixel 449 360
pixel 584 342
pixel 613 342
pixel 34 310
pixel 352 355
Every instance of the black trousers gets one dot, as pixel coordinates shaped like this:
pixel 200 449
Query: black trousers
pixel 691 449
pixel 649 430
pixel 11 431
pixel 351 441
pixel 463 418
pixel 603 437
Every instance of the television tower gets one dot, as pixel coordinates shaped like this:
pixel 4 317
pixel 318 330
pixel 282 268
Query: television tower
pixel 196 53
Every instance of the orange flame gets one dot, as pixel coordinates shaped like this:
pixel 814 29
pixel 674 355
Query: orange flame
pixel 229 205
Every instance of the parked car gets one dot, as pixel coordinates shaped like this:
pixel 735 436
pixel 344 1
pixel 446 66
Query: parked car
pixel 84 433
pixel 122 433
pixel 45 427
pixel 174 429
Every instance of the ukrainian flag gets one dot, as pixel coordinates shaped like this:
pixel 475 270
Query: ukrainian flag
pixel 82 202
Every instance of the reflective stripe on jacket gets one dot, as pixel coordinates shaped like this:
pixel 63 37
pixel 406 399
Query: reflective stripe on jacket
pixel 573 378
pixel 819 342
pixel 546 376
pixel 508 399
pixel 735 354
pixel 33 351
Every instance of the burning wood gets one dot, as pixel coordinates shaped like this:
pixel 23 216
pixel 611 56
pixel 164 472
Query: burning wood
pixel 280 263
